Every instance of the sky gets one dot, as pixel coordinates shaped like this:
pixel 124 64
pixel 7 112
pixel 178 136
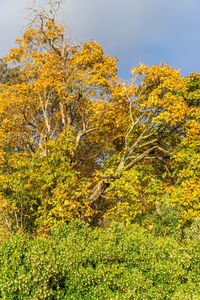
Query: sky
pixel 135 31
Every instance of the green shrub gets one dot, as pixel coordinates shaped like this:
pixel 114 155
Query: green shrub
pixel 77 262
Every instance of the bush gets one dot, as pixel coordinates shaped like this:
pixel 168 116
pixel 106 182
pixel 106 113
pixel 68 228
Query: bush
pixel 77 262
pixel 167 223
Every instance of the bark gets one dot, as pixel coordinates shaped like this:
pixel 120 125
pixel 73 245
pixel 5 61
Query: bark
pixel 62 114
pixel 97 192
pixel 100 188
pixel 95 200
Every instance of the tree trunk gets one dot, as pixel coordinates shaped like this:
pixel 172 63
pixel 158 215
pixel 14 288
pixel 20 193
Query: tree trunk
pixel 97 191
pixel 96 201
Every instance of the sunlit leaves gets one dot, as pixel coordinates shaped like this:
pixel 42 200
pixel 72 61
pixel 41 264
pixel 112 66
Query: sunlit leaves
pixel 75 139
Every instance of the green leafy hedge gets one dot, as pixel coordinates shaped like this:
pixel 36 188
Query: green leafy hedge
pixel 77 262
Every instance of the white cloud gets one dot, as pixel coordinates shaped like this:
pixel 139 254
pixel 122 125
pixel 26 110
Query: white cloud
pixel 11 22
pixel 134 30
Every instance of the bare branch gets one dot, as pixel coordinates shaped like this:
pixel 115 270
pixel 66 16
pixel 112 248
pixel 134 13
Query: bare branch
pixel 139 158
pixel 25 118
pixel 44 110
pixel 147 143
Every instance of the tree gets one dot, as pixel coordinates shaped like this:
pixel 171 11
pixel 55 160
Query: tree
pixel 186 160
pixel 58 93
pixel 73 134
pixel 158 111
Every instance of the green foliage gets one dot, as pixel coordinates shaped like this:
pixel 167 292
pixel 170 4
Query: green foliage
pixel 186 192
pixel 38 190
pixel 77 262
pixel 134 194
pixel 165 222
pixel 77 142
pixel 192 232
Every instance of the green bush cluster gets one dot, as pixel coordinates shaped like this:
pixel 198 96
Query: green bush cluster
pixel 78 262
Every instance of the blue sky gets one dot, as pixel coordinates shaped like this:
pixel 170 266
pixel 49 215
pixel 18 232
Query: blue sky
pixel 136 31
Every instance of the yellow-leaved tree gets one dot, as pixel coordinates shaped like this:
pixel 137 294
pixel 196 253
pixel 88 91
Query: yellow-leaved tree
pixel 78 142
